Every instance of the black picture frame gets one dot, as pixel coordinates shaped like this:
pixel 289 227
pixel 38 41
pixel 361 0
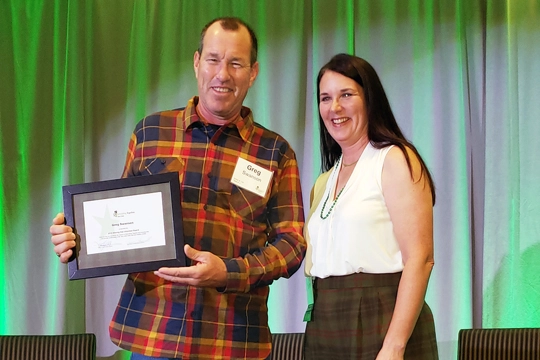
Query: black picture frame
pixel 87 264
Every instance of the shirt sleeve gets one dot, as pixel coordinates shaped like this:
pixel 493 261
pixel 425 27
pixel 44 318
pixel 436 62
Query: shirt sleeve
pixel 286 247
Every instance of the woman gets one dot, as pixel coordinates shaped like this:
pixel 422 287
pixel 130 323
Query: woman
pixel 370 226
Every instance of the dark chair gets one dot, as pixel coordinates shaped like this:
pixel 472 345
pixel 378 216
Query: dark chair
pixel 500 344
pixel 287 346
pixel 48 347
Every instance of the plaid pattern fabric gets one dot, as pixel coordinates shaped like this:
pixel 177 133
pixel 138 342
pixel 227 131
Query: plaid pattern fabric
pixel 351 316
pixel 258 238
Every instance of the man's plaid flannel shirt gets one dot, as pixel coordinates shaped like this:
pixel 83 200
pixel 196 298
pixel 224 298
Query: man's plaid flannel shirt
pixel 259 238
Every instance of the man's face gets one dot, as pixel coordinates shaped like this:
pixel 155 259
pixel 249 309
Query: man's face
pixel 223 73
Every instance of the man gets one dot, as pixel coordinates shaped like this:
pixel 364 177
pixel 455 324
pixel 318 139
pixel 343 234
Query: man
pixel 239 238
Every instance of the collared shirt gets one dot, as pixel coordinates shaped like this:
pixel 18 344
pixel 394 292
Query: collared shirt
pixel 258 238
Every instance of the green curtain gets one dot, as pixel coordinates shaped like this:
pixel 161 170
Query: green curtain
pixel 461 76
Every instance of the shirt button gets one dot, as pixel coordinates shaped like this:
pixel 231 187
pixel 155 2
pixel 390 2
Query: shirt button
pixel 163 161
pixel 205 207
pixel 209 175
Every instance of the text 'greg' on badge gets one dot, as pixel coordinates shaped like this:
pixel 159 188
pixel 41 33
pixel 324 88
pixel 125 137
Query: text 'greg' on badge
pixel 251 177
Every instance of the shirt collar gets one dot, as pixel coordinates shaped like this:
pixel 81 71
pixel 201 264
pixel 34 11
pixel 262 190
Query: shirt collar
pixel 244 123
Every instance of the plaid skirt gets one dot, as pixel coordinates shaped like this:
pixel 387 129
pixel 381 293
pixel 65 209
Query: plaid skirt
pixel 351 316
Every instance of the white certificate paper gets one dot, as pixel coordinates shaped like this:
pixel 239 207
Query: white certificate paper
pixel 124 223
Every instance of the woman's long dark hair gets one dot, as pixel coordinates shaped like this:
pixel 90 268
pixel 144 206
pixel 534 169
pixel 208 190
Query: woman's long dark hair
pixel 383 129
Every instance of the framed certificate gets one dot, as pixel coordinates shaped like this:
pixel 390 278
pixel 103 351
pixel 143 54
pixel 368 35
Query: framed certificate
pixel 127 225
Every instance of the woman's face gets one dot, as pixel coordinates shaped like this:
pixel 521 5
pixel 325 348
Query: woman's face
pixel 342 108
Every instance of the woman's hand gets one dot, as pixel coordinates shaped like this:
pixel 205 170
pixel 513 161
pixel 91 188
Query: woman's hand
pixel 387 353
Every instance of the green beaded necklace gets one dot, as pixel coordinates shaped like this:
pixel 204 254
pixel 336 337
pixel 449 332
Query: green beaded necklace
pixel 324 217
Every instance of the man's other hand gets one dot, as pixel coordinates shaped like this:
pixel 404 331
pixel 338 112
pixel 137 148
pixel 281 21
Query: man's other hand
pixel 209 270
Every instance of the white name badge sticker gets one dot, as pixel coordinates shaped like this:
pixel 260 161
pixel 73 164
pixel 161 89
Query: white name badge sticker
pixel 251 177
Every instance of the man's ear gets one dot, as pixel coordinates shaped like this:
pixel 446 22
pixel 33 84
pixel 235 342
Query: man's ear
pixel 196 60
pixel 253 73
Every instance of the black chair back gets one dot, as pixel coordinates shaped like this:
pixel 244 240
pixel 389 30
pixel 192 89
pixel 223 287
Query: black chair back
pixel 48 347
pixel 287 346
pixel 500 344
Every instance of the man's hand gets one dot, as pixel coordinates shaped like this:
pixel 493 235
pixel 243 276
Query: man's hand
pixel 63 238
pixel 209 270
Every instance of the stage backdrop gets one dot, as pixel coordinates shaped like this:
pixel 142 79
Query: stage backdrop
pixel 462 77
